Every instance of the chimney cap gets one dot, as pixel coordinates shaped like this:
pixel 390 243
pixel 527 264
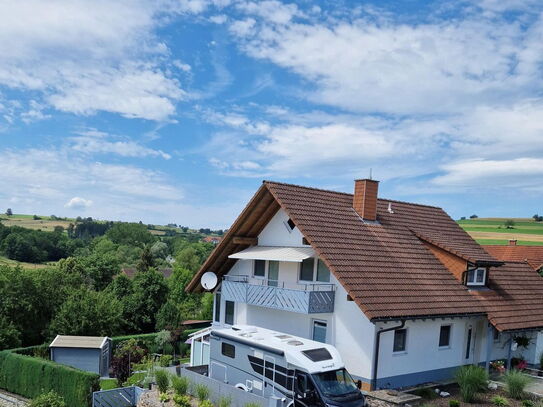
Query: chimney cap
pixel 365 179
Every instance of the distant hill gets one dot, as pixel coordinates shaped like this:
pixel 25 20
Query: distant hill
pixel 499 230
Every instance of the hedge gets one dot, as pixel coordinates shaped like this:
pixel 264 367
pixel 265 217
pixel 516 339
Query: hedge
pixel 30 377
pixel 147 340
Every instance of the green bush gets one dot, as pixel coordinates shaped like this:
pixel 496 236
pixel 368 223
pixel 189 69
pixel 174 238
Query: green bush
pixel 135 380
pixel 31 377
pixel 162 380
pixel 202 392
pixel 108 384
pixel 454 403
pixel 165 360
pixel 472 380
pixel 515 383
pixel 225 402
pixel 180 385
pixel 182 401
pixel 499 401
pixel 528 403
pixel 205 403
pixel 50 399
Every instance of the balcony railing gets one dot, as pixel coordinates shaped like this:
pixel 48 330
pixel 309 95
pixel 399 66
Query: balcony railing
pixel 310 298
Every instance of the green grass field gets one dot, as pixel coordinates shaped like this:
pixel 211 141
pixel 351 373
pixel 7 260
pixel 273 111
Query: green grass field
pixel 493 231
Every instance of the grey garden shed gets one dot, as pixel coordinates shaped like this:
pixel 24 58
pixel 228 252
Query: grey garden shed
pixel 89 353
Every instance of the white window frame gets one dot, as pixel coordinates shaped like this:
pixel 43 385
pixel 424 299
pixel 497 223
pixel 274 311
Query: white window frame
pixel 314 275
pixel 450 336
pixel 312 328
pixel 401 352
pixel 476 272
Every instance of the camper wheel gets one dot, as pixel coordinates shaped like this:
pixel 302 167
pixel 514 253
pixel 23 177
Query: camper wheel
pixel 241 386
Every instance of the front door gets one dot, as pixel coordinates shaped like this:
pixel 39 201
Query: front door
pixel 273 273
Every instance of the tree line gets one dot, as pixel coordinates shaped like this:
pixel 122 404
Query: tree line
pixel 85 293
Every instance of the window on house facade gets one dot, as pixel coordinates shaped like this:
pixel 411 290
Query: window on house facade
pixel 218 307
pixel 228 350
pixel 229 312
pixel 445 336
pixel 306 269
pixel 400 340
pixel 319 331
pixel 323 274
pixel 476 277
pixel 260 268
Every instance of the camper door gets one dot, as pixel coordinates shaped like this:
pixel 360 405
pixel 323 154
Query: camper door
pixel 305 394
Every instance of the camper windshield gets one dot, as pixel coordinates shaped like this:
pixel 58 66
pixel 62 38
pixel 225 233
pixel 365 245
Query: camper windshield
pixel 335 383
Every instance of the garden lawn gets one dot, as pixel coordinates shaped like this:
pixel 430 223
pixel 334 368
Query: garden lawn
pixel 108 384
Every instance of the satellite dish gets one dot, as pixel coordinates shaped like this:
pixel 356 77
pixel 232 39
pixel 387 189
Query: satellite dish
pixel 209 280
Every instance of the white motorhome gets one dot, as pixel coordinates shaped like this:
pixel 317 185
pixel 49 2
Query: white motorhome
pixel 299 371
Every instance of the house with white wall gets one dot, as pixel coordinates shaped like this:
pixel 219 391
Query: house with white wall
pixel 403 293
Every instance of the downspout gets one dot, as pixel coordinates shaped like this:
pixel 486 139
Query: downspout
pixel 376 352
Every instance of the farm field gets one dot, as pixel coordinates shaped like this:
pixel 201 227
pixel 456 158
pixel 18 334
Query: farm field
pixel 27 221
pixel 493 231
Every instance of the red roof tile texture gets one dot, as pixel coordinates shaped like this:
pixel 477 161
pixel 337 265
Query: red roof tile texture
pixel 533 255
pixel 385 267
pixel 513 300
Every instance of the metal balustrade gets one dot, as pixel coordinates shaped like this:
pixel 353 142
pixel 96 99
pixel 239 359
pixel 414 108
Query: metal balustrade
pixel 305 298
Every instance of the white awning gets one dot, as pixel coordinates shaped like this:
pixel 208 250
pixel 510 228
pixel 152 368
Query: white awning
pixel 281 253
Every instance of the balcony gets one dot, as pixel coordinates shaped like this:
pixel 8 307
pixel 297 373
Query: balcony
pixel 302 298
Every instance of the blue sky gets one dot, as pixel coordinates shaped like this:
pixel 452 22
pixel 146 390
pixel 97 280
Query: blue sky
pixel 176 110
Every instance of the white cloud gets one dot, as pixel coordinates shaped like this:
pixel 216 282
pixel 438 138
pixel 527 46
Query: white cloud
pixel 78 203
pixel 442 66
pixel 523 172
pixel 92 141
pixel 88 56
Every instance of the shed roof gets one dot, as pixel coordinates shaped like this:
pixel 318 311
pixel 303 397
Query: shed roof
pixel 87 342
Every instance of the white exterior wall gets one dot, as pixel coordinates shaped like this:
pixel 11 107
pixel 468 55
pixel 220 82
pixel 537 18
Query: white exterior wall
pixel 422 350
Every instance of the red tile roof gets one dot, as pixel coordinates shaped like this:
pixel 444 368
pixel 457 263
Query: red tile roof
pixel 385 267
pixel 533 255
pixel 513 300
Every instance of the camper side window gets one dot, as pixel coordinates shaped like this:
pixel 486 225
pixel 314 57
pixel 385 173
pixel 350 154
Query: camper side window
pixel 228 350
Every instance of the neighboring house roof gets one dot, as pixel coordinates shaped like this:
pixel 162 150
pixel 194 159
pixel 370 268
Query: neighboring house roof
pixel 533 255
pixel 385 267
pixel 131 272
pixel 87 342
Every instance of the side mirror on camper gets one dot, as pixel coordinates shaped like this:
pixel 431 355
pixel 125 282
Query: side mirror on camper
pixel 359 384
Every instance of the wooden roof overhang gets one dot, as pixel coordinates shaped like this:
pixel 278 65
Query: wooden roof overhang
pixel 243 233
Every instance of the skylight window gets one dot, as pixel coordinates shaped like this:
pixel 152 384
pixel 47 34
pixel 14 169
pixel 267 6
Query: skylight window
pixel 317 355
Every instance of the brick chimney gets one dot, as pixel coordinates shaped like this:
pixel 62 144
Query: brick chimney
pixel 512 242
pixel 365 198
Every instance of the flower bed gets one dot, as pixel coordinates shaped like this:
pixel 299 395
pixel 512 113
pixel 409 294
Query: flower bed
pixel 483 399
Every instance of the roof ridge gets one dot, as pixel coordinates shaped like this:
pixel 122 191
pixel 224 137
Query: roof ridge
pixel 347 193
